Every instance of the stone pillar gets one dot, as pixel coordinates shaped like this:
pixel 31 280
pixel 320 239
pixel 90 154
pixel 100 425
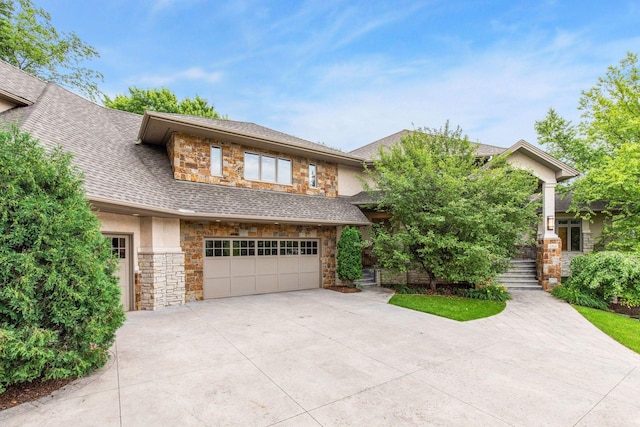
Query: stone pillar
pixel 549 251
pixel 161 263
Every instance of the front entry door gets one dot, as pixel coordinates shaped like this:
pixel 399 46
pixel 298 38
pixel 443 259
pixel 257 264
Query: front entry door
pixel 120 246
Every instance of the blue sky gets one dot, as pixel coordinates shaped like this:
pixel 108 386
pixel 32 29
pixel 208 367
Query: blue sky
pixel 346 73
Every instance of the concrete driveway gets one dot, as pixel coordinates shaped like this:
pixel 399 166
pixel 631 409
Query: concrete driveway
pixel 318 357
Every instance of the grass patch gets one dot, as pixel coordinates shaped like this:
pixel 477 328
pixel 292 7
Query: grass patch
pixel 456 308
pixel 621 328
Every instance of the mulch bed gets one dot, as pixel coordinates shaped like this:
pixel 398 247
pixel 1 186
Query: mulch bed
pixel 343 289
pixel 26 392
pixel 622 309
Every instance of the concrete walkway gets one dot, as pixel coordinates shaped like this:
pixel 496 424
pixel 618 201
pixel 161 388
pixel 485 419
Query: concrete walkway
pixel 319 357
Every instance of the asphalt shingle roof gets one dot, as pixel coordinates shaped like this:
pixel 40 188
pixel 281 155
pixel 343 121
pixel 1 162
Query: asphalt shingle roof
pixel 118 168
pixel 370 151
pixel 20 84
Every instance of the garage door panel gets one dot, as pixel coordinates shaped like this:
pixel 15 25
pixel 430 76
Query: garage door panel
pixel 267 265
pixel 267 283
pixel 243 285
pixel 217 287
pixel 241 267
pixel 217 268
pixel 309 281
pixel 309 264
pixel 288 265
pixel 288 282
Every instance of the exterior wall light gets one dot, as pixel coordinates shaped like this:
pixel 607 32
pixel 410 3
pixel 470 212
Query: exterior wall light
pixel 550 223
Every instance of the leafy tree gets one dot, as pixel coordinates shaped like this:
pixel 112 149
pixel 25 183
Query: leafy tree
pixel 29 42
pixel 163 100
pixel 605 145
pixel 458 219
pixel 349 255
pixel 59 298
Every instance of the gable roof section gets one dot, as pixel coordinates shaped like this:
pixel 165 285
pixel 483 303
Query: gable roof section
pixel 561 169
pixel 124 176
pixel 157 127
pixel 370 151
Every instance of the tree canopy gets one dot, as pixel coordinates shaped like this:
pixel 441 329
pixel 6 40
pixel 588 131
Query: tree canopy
pixel 162 100
pixel 457 217
pixel 29 42
pixel 605 146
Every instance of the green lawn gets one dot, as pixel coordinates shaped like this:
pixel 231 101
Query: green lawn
pixel 621 328
pixel 456 308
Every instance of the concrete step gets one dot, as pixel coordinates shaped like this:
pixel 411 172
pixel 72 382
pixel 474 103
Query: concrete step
pixel 534 287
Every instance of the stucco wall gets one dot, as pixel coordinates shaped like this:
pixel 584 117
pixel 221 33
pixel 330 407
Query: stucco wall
pixel 544 173
pixel 193 234
pixel 349 180
pixel 190 157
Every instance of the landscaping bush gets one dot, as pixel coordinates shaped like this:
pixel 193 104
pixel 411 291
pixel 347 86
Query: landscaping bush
pixel 59 298
pixel 487 293
pixel 349 255
pixel 606 275
pixel 576 296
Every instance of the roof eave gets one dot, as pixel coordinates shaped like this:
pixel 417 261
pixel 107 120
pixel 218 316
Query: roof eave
pixel 167 126
pixel 129 208
pixel 563 171
pixel 14 99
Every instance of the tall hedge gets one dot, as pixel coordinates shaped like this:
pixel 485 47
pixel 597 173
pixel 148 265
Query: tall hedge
pixel 59 297
pixel 349 255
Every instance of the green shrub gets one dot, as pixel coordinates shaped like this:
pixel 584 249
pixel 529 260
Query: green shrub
pixel 59 298
pixel 487 293
pixel 349 255
pixel 575 296
pixel 605 275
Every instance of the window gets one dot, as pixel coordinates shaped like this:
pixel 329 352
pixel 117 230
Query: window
pixel 309 247
pixel 267 168
pixel 216 248
pixel 288 247
pixel 313 180
pixel 267 247
pixel 216 160
pixel 119 247
pixel 284 171
pixel 244 248
pixel 570 232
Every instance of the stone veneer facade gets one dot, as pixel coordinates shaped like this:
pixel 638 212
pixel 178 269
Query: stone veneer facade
pixel 190 158
pixel 193 233
pixel 161 281
pixel 549 263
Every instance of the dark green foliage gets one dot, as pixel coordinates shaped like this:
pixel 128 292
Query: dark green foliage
pixel 577 297
pixel 349 255
pixel 605 275
pixel 459 219
pixel 59 299
pixel 487 293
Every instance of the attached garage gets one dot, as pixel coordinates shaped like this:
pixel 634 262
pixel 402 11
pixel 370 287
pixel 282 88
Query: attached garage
pixel 239 266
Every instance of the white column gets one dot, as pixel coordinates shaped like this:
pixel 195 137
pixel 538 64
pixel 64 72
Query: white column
pixel 549 209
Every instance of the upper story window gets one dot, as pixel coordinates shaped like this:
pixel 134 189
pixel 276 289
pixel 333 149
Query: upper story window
pixel 570 232
pixel 260 167
pixel 313 176
pixel 216 160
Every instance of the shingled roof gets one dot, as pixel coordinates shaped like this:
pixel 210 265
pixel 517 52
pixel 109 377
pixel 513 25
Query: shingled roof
pixel 121 172
pixel 370 151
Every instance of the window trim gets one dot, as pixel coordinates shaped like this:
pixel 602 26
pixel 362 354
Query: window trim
pixel 277 160
pixel 219 172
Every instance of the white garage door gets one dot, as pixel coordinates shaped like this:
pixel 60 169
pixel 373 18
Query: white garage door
pixel 234 266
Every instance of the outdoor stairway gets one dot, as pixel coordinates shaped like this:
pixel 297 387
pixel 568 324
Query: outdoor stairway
pixel 368 278
pixel 521 276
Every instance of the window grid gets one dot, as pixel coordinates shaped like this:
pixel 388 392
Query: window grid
pixel 119 247
pixel 570 233
pixel 260 247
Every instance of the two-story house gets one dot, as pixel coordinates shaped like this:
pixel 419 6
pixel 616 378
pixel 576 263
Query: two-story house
pixel 200 208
